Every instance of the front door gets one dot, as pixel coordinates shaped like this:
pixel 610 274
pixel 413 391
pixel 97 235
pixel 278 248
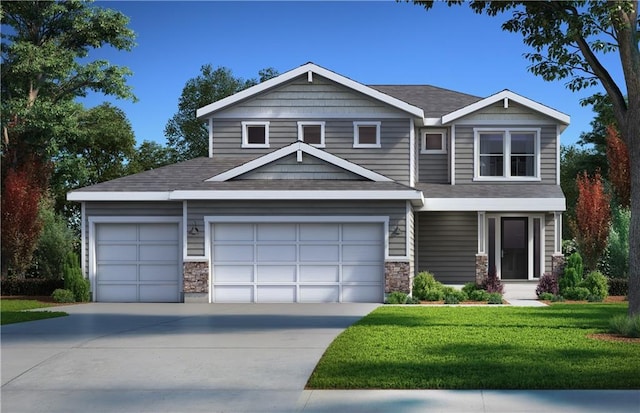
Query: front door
pixel 515 248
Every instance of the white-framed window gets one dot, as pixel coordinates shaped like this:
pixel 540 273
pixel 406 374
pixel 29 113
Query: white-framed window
pixel 366 134
pixel 255 134
pixel 311 133
pixel 433 141
pixel 512 154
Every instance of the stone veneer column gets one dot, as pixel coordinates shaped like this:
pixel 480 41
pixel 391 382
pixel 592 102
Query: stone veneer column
pixel 196 281
pixel 482 267
pixel 557 264
pixel 397 277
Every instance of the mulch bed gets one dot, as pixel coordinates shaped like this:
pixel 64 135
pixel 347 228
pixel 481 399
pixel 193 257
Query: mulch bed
pixel 614 337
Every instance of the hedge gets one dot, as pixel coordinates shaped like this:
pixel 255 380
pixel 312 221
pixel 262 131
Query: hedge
pixel 29 286
pixel 618 286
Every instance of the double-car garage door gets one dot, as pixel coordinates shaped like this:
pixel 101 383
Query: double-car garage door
pixel 297 262
pixel 250 262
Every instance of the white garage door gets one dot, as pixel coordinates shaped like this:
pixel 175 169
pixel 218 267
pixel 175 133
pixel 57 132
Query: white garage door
pixel 137 262
pixel 297 262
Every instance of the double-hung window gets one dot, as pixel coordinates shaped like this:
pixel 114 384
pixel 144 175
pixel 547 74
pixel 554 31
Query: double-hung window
pixel 255 134
pixel 311 133
pixel 507 154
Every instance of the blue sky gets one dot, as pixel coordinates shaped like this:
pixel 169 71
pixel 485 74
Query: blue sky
pixel 370 42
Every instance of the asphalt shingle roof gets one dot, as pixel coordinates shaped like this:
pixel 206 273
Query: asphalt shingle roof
pixel 434 101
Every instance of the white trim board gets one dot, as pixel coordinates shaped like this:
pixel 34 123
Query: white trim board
pixel 411 195
pixel 494 204
pixel 303 148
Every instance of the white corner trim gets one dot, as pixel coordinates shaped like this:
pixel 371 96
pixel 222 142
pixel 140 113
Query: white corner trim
pixel 303 147
pixel 118 196
pixel 412 152
pixel 210 137
pixel 494 204
pixel 506 94
pixel 305 70
pixel 558 155
pixel 452 167
pixel 83 239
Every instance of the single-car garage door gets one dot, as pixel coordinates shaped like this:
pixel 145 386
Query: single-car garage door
pixel 137 262
pixel 297 262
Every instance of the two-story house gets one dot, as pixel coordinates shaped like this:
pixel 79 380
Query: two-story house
pixel 318 188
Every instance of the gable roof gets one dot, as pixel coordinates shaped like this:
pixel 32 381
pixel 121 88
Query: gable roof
pixel 434 101
pixel 309 69
pixel 505 96
pixel 299 148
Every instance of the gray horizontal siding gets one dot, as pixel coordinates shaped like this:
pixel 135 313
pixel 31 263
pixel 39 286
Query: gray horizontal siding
pixel 464 142
pixel 433 168
pixel 391 159
pixel 197 210
pixel 447 243
pixel 310 168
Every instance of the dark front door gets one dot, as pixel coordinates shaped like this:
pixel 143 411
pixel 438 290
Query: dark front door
pixel 515 248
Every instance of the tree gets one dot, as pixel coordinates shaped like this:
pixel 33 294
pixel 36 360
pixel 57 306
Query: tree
pixel 619 176
pixel 568 40
pixel 45 66
pixel 189 136
pixel 593 216
pixel 150 155
pixel 20 221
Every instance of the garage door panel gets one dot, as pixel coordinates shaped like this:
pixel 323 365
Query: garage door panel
pixel 319 232
pixel 319 253
pixel 118 252
pixel 159 252
pixel 276 232
pixel 276 294
pixel 235 253
pixel 276 273
pixel 158 272
pixel 233 273
pixel 157 292
pixel 319 294
pixel 233 294
pixel 361 293
pixel 362 273
pixel 121 293
pixel 362 232
pixel 361 253
pixel 158 232
pixel 319 273
pixel 118 272
pixel 233 232
pixel 116 232
pixel 279 253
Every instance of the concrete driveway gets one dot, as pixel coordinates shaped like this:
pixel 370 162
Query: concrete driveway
pixel 169 357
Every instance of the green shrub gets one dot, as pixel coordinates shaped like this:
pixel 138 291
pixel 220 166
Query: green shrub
pixel 618 286
pixel 451 299
pixel 573 271
pixel 412 300
pixel 576 293
pixel 397 297
pixel 434 295
pixel 557 299
pixel 73 279
pixel 423 282
pixel 55 243
pixel 625 325
pixel 479 295
pixel 63 296
pixel 469 288
pixel 616 259
pixel 546 296
pixel 597 285
pixel 495 298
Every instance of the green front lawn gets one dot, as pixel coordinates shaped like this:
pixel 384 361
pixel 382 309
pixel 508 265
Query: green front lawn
pixel 480 348
pixel 12 311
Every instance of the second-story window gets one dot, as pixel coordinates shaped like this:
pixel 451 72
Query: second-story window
pixel 433 141
pixel 255 134
pixel 507 154
pixel 311 133
pixel 366 134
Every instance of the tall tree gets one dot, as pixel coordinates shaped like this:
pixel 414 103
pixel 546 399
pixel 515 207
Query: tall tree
pixel 187 135
pixel 568 40
pixel 46 65
pixel 618 158
pixel 150 155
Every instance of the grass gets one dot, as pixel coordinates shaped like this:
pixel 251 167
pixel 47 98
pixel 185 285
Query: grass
pixel 13 311
pixel 480 348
